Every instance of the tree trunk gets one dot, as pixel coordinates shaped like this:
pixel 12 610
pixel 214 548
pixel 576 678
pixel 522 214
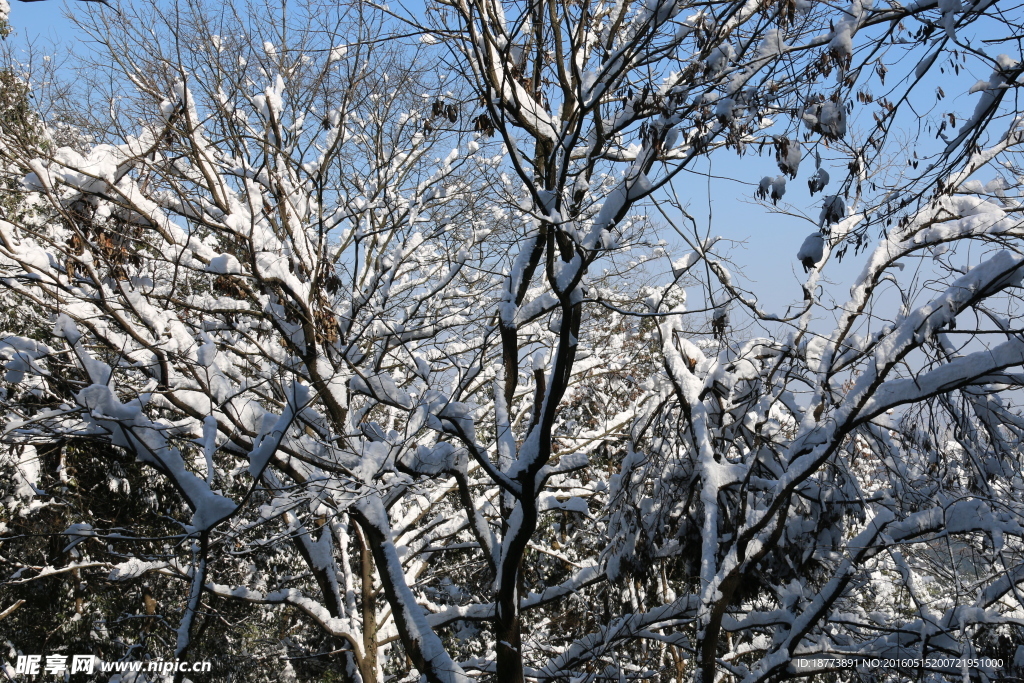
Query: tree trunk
pixel 508 634
pixel 369 608
pixel 421 643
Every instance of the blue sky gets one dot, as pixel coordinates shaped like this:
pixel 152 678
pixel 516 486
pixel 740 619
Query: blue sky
pixel 40 20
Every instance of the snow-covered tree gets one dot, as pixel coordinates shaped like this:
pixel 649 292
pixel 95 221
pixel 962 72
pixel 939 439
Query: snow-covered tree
pixel 740 471
pixel 382 324
pixel 257 272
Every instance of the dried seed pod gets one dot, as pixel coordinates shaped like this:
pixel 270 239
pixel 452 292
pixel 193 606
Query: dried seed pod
pixel 483 124
pixel 228 285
